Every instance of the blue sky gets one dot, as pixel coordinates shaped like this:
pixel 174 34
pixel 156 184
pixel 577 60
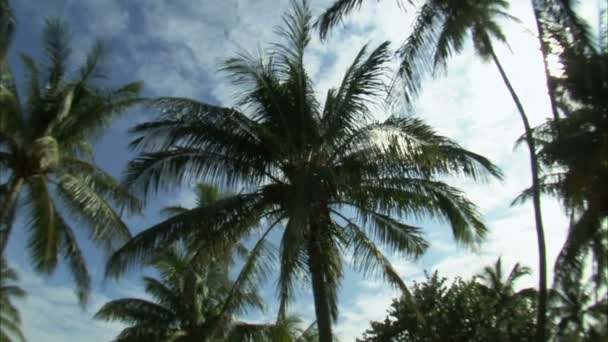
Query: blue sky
pixel 175 47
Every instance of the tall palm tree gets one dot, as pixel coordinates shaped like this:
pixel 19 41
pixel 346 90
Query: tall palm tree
pixel 440 29
pixel 194 300
pixel 331 177
pixel 10 320
pixel 579 179
pixel 44 146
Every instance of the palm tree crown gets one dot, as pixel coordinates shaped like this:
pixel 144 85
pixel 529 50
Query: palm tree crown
pixel 331 177
pixel 44 148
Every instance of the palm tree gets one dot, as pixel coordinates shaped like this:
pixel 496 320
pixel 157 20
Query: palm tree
pixel 440 29
pixel 305 169
pixel 578 179
pixel 10 320
pixel 503 288
pixel 194 300
pixel 507 300
pixel 44 147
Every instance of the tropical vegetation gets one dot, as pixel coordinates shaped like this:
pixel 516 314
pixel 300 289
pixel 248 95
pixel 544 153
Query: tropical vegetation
pixel 307 164
pixel 463 310
pixel 293 187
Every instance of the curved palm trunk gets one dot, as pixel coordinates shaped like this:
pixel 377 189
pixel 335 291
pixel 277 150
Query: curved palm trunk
pixel 5 208
pixel 545 52
pixel 540 233
pixel 318 285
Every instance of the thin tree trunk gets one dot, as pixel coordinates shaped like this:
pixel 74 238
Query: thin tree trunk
pixel 541 319
pixel 545 52
pixel 5 208
pixel 319 290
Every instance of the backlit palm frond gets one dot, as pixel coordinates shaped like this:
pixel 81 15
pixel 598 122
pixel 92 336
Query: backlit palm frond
pixel 416 53
pixel 335 14
pixel 103 184
pixel 87 203
pixel 136 311
pixel 75 260
pixel 255 270
pixel 293 263
pixel 45 237
pixel 94 110
pixel 226 220
pixel 347 107
pixel 56 46
pixel 367 258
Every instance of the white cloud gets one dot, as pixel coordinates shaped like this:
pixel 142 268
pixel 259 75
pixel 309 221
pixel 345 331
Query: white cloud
pixel 51 313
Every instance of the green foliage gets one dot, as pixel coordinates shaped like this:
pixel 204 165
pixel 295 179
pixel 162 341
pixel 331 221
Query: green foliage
pixel 579 179
pixel 308 165
pixel 460 311
pixel 45 149
pixel 10 320
pixel 194 300
pixel 580 312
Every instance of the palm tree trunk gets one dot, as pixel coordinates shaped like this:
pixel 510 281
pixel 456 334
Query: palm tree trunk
pixel 545 52
pixel 5 208
pixel 319 290
pixel 541 319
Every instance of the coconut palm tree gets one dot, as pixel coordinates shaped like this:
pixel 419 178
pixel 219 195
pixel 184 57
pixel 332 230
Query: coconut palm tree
pixel 332 178
pixel 578 179
pixel 507 301
pixel 194 300
pixel 493 279
pixel 10 320
pixel 441 29
pixel 45 149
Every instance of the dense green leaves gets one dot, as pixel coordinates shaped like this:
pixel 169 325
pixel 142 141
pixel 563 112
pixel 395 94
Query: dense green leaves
pixel 310 166
pixel 460 311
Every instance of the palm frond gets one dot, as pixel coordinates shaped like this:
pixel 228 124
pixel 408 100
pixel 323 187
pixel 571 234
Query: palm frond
pixel 55 43
pixel 367 258
pixel 226 220
pixel 104 223
pixel 45 238
pixel 254 272
pixel 293 264
pixel 136 311
pixel 335 14
pixel 75 259
pixel 90 68
pixel 347 107
pixel 102 184
pixel 417 50
pixel 8 327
